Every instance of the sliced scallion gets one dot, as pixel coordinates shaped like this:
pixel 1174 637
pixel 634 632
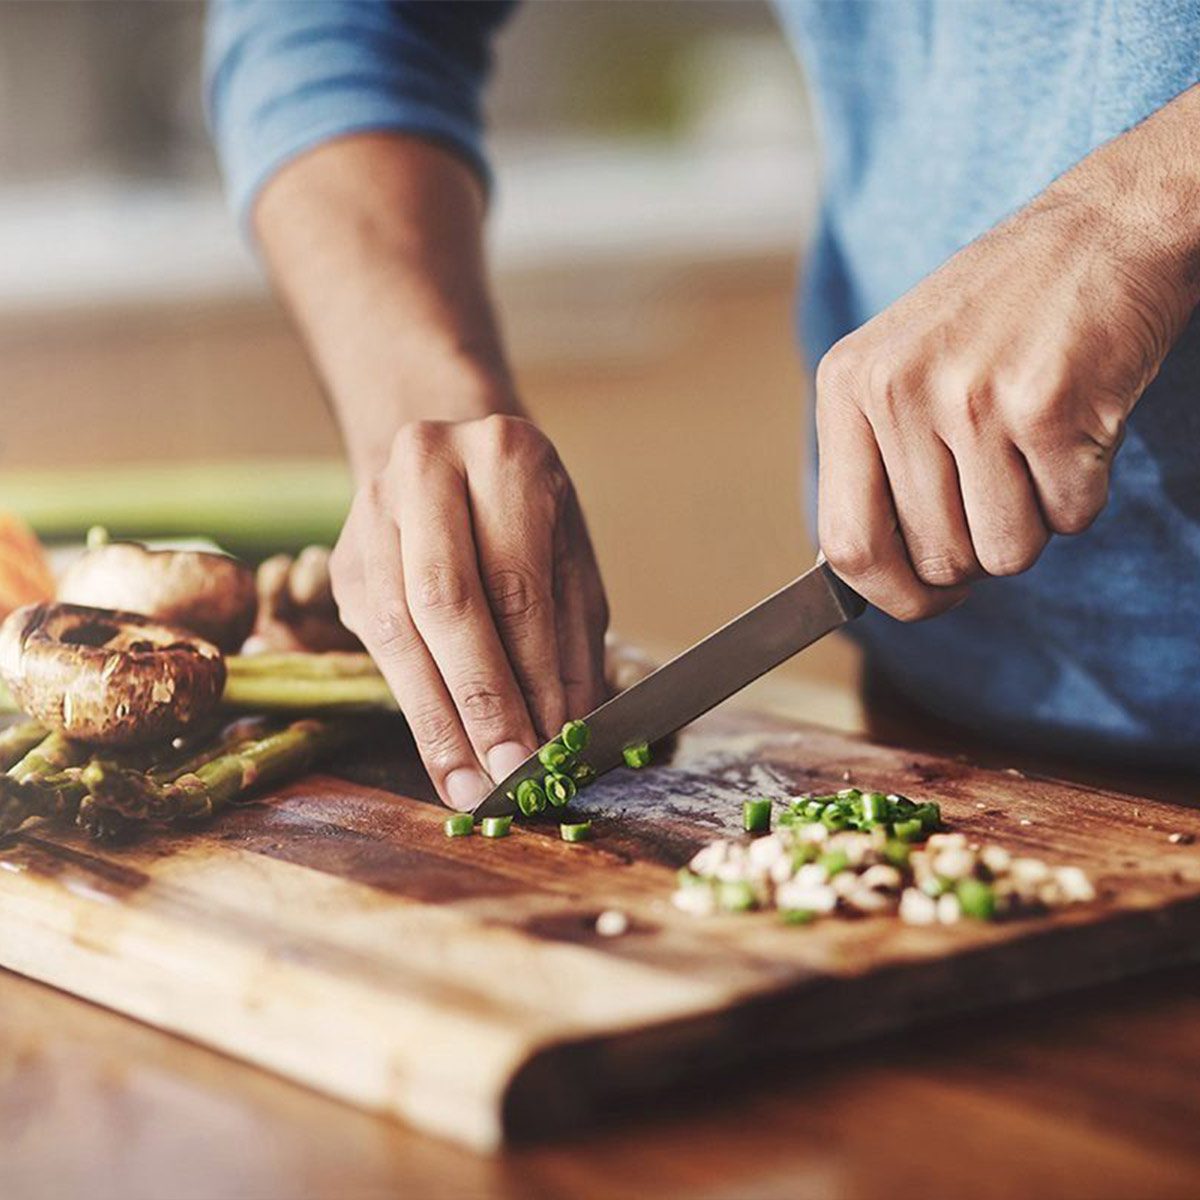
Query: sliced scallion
pixel 554 755
pixel 637 755
pixel 577 831
pixel 495 827
pixel 531 799
pixel 756 815
pixel 560 789
pixel 459 825
pixel 575 736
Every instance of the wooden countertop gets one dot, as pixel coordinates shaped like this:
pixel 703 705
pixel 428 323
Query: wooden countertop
pixel 1088 1095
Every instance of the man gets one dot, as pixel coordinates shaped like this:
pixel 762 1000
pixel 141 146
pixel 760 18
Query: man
pixel 1007 263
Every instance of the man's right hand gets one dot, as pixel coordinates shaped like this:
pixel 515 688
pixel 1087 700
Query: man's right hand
pixel 466 569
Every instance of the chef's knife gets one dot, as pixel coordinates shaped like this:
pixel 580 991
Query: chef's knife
pixel 712 670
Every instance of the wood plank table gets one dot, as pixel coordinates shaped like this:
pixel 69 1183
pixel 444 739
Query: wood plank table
pixel 1092 1094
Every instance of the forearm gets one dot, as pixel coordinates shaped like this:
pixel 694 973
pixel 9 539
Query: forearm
pixel 375 244
pixel 1144 189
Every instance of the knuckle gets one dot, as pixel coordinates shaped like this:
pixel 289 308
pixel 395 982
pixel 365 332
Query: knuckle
pixel 838 369
pixel 480 703
pixel 514 594
pixel 390 632
pixel 1009 557
pixel 436 732
pixel 849 552
pixel 1074 516
pixel 417 441
pixel 442 590
pixel 941 569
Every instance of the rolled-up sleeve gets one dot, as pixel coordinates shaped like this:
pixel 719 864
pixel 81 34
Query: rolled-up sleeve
pixel 283 76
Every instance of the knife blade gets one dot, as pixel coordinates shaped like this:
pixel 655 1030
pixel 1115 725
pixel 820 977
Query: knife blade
pixel 712 670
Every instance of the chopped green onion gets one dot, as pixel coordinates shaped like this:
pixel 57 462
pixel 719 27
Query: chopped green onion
pixel 637 755
pixel 806 852
pixel 834 862
pixel 930 816
pixel 496 827
pixel 735 895
pixel 936 886
pixel 897 853
pixel 579 831
pixel 912 830
pixel 756 815
pixel 798 916
pixel 976 898
pixel 583 774
pixel 554 755
pixel 459 825
pixel 531 800
pixel 834 819
pixel 814 808
pixel 575 736
pixel 875 808
pixel 560 789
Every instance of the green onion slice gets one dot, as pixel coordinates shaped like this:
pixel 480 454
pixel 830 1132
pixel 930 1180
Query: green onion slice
pixel 554 755
pixel 756 815
pixel 560 789
pixel 637 755
pixel 577 831
pixel 496 827
pixel 575 736
pixel 531 800
pixel 459 825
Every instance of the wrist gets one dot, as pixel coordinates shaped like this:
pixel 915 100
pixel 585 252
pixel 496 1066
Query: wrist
pixel 453 386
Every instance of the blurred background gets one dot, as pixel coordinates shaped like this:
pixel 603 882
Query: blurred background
pixel 656 172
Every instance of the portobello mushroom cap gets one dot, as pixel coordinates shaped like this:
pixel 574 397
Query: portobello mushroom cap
pixel 210 594
pixel 116 678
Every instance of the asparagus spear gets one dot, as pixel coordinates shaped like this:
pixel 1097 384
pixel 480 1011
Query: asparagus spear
pixel 17 741
pixel 199 794
pixel 41 783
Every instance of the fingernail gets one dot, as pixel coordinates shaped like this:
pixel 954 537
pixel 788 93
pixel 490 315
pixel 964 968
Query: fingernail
pixel 504 759
pixel 465 787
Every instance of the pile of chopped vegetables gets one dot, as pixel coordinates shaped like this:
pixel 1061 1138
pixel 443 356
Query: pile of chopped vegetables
pixel 859 852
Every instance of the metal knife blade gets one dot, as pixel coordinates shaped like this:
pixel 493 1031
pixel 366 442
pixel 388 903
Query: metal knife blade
pixel 701 677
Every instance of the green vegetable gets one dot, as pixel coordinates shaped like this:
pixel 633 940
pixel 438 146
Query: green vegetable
pixel 834 819
pixel 687 878
pixel 459 825
pixel 496 827
pixel 560 789
pixel 935 886
pixel 531 800
pixel 912 830
pixel 976 898
pixel 583 774
pixel 798 916
pixel 735 896
pixel 579 831
pixel 637 755
pixel 875 809
pixel 834 861
pixel 756 815
pixel 554 755
pixel 930 816
pixel 897 853
pixel 575 736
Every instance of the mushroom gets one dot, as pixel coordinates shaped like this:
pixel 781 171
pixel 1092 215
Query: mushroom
pixel 210 594
pixel 117 678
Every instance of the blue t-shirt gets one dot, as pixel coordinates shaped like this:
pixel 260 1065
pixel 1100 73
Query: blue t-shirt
pixel 938 118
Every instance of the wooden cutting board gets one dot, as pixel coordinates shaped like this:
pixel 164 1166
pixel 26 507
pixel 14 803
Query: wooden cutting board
pixel 332 933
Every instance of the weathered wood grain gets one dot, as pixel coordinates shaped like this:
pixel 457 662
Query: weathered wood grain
pixel 332 934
